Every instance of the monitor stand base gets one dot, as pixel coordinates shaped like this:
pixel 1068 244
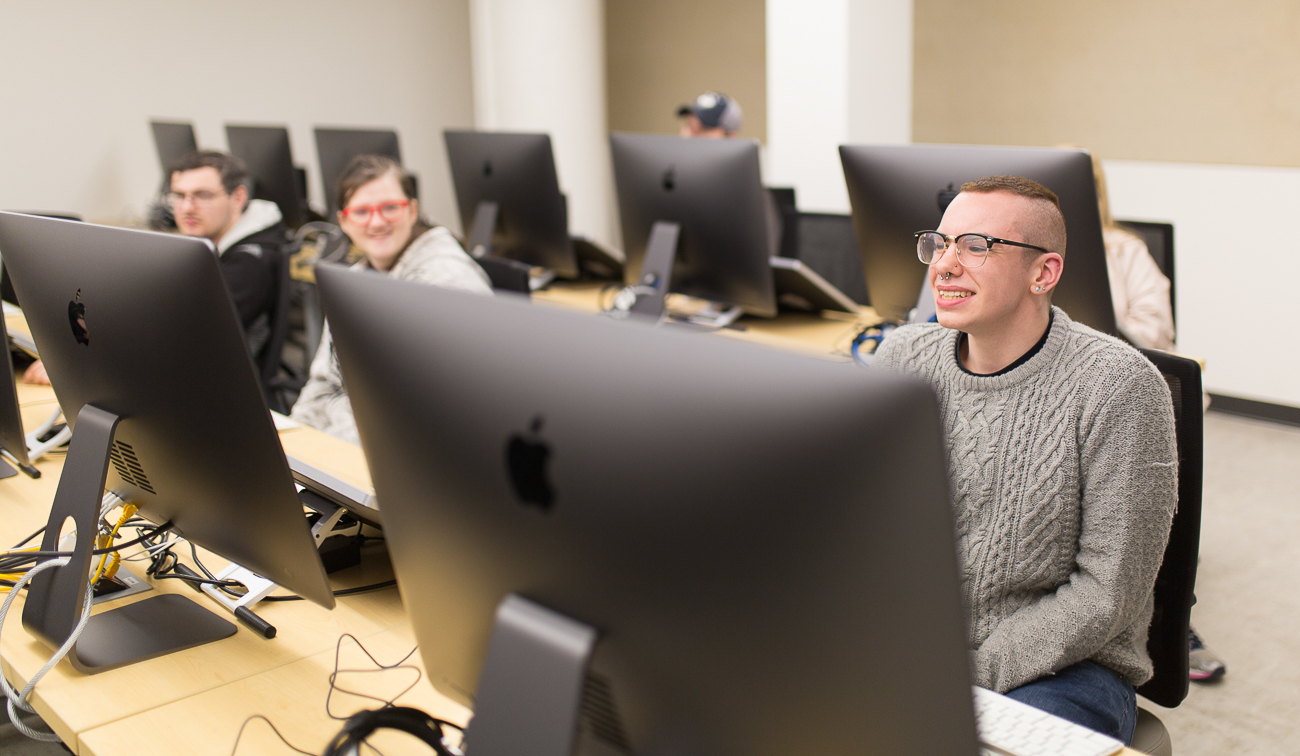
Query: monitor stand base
pixel 55 597
pixel 530 692
pixel 6 470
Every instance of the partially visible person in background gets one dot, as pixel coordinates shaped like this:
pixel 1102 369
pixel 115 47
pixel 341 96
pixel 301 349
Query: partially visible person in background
pixel 712 115
pixel 1139 291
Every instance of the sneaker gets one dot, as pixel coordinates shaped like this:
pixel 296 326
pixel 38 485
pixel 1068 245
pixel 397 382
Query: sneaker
pixel 1204 665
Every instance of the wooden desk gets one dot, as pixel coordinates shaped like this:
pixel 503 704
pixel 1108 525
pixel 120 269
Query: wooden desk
pixel 72 703
pixel 826 336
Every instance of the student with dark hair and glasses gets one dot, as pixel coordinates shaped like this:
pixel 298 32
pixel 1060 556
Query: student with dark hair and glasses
pixel 1061 455
pixel 208 195
pixel 381 216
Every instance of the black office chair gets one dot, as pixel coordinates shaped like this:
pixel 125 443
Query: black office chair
pixel 1176 581
pixel 784 197
pixel 271 358
pixel 507 275
pixel 1159 238
pixel 827 245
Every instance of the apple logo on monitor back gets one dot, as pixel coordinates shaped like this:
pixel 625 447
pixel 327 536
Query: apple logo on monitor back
pixel 487 167
pixel 670 178
pixel 526 458
pixel 77 318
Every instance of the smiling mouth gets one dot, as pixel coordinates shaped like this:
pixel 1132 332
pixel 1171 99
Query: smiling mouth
pixel 951 295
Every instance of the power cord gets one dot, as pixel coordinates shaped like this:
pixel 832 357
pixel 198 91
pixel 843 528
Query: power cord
pixel 18 701
pixel 358 727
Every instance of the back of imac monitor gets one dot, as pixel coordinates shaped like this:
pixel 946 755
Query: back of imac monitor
pixel 266 152
pixel 896 191
pixel 336 147
pixel 517 172
pixel 764 542
pixel 713 189
pixel 140 325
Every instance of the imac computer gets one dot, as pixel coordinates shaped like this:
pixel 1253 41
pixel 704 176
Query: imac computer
pixel 148 361
pixel 173 142
pixel 509 199
pixel 337 147
pixel 265 150
pixel 705 200
pixel 896 191
pixel 647 542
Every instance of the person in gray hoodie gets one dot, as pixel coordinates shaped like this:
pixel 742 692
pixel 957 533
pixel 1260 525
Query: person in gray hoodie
pixel 381 216
pixel 1061 455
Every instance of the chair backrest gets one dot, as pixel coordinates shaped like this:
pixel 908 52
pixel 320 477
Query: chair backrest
pixel 784 197
pixel 507 275
pixel 1159 238
pixel 268 361
pixel 1176 581
pixel 827 245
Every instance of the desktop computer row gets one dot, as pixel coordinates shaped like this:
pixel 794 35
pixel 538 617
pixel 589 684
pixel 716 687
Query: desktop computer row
pixel 511 206
pixel 552 517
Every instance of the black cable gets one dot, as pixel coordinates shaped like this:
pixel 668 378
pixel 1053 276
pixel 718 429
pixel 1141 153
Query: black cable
pixel 200 581
pixel 97 552
pixel 386 702
pixel 29 538
pixel 274 729
pixel 341 592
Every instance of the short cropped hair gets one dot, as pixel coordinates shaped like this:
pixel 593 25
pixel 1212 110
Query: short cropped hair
pixel 234 173
pixel 1044 225
pixel 366 168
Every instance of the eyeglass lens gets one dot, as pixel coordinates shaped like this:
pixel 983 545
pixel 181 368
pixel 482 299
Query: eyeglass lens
pixel 389 211
pixel 971 248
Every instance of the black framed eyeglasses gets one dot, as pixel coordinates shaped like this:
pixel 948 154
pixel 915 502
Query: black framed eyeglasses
pixel 972 248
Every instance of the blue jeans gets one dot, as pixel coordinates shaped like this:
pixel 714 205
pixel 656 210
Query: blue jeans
pixel 1086 693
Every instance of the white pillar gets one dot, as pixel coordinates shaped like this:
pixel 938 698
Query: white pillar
pixel 541 67
pixel 838 71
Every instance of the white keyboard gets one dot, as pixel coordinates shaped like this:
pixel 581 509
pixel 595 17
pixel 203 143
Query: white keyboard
pixel 1006 726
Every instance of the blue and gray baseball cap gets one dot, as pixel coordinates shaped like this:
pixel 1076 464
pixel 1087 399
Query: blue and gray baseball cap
pixel 715 110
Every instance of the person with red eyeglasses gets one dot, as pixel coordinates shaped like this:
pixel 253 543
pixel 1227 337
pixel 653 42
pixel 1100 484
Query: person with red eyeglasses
pixel 381 216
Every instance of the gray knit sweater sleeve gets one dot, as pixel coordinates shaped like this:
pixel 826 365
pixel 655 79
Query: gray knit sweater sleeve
pixel 1064 480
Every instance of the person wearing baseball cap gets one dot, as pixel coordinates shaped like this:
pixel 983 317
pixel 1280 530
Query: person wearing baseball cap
pixel 712 115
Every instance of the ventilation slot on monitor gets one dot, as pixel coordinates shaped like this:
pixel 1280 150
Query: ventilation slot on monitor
pixel 128 466
pixel 600 715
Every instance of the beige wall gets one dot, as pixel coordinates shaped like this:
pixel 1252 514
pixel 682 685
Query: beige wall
pixel 662 53
pixel 1170 80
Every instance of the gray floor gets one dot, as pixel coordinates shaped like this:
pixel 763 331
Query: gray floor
pixel 1248 593
pixel 1249 599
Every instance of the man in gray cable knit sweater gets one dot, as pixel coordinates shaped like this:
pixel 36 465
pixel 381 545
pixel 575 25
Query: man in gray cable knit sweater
pixel 1062 458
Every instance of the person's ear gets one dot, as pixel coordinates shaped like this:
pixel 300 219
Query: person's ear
pixel 1046 272
pixel 414 207
pixel 240 196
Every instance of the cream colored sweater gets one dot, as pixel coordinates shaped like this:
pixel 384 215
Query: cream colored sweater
pixel 435 258
pixel 1064 482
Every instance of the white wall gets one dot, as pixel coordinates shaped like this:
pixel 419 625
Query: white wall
pixel 1233 250
pixel 838 71
pixel 541 67
pixel 81 81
